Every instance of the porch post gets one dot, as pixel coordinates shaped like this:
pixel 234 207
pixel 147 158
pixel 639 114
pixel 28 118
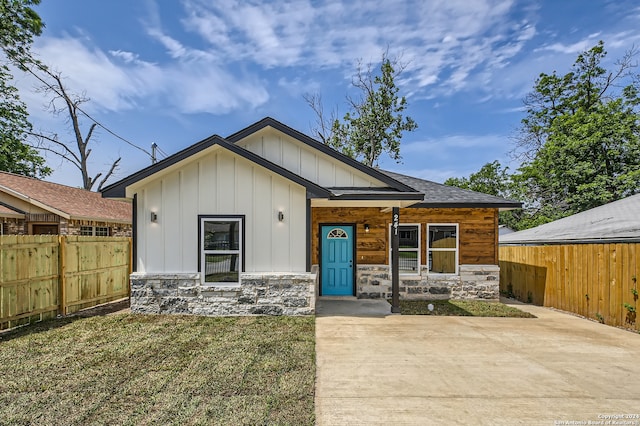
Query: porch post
pixel 395 269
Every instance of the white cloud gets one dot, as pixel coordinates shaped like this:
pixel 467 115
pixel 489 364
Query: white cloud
pixel 89 70
pixel 127 57
pixel 192 83
pixel 448 46
pixel 442 41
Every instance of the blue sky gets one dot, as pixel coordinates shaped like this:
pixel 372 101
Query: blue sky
pixel 175 72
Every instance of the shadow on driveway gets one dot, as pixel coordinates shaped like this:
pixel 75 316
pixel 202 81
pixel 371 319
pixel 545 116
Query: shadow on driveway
pixel 351 307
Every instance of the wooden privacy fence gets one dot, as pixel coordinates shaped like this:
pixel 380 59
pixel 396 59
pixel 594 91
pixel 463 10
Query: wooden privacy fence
pixel 42 276
pixel 598 281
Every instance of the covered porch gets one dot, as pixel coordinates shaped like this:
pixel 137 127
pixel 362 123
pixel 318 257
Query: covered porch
pixel 441 253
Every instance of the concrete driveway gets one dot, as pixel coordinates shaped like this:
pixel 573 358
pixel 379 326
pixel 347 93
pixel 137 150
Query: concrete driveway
pixel 555 369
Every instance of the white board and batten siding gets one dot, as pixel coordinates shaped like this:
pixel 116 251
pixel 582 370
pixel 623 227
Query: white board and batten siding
pixel 305 161
pixel 219 182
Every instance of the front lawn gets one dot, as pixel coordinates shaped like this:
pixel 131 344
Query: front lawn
pixel 475 308
pixel 151 369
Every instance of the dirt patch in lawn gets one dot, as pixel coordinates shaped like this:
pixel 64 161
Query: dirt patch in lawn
pixel 118 307
pixel 474 308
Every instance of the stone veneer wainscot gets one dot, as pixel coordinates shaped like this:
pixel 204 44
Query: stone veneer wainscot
pixel 472 283
pixel 258 294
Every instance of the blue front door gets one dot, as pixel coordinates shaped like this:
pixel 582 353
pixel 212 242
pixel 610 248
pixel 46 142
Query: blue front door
pixel 337 260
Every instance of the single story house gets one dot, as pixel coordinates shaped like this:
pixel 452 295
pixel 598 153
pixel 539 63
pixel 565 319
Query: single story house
pixel 267 219
pixel 30 206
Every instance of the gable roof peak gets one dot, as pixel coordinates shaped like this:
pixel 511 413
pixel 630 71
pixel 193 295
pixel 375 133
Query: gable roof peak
pixel 373 172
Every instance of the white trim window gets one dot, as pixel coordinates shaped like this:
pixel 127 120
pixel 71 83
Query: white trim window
pixel 442 248
pixel 221 250
pixel 95 231
pixel 409 248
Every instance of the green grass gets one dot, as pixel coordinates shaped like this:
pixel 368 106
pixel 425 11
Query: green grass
pixel 148 369
pixel 474 308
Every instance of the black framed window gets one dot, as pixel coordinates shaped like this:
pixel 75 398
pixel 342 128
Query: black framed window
pixel 221 250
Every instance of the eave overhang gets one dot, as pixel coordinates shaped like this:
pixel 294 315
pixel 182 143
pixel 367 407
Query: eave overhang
pixel 119 189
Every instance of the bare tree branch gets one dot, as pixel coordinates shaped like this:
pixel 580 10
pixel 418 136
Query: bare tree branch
pixel 323 129
pixel 54 140
pixel 61 155
pixel 78 152
pixel 108 175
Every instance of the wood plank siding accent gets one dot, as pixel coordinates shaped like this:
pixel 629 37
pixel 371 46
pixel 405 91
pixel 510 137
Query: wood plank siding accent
pixel 478 230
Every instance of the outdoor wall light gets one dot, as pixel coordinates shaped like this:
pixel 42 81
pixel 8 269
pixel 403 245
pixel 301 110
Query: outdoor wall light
pixel 154 217
pixel 280 216
pixel 366 227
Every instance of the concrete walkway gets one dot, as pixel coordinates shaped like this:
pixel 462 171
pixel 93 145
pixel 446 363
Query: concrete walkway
pixel 419 370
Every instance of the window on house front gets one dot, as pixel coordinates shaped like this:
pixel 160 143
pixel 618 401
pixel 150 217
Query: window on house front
pixel 442 248
pixel 94 231
pixel 409 248
pixel 102 231
pixel 221 243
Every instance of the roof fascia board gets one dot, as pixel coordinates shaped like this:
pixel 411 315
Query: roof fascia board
pixel 34 202
pixel 15 209
pixel 397 196
pixel 118 189
pixel 100 219
pixel 381 204
pixel 370 171
pixel 501 206
pixel 561 242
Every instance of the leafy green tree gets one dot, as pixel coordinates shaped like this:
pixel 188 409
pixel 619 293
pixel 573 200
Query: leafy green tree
pixel 579 144
pixel 375 122
pixel 491 179
pixel 19 23
pixel 580 140
pixel 16 156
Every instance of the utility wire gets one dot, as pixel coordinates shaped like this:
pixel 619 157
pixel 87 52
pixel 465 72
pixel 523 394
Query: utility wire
pixel 161 151
pixel 55 90
pixel 113 133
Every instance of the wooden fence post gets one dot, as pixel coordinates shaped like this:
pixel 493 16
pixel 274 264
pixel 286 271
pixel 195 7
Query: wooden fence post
pixel 131 260
pixel 62 272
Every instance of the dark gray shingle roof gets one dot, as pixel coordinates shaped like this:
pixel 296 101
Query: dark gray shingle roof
pixel 439 195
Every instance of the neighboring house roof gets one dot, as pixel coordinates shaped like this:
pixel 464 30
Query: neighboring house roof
pixel 439 195
pixel 65 201
pixel 617 221
pixel 504 230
